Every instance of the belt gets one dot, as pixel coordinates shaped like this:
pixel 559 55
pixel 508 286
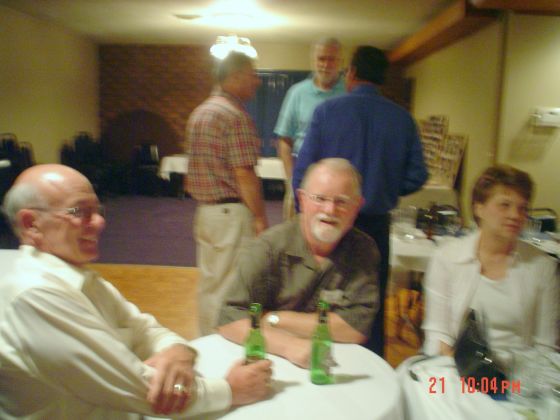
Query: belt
pixel 228 200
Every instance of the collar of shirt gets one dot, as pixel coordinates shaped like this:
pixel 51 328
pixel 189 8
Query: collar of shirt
pixel 231 98
pixel 468 253
pixel 297 247
pixel 365 88
pixel 339 84
pixel 71 275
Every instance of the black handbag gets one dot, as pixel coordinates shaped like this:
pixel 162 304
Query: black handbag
pixel 474 358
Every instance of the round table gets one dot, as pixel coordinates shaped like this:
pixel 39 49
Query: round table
pixel 433 390
pixel 366 386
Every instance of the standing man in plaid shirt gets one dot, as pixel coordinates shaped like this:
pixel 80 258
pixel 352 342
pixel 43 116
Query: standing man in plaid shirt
pixel 223 148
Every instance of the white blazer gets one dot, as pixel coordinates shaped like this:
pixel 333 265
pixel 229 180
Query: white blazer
pixel 453 276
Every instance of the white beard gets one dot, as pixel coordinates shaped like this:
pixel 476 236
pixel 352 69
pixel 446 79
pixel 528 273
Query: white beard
pixel 324 232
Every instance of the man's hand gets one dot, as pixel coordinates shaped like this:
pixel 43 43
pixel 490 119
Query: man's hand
pixel 249 383
pixel 299 352
pixel 173 365
pixel 260 224
pixel 250 190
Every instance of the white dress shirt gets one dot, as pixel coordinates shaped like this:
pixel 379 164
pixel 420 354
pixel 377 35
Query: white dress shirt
pixel 71 346
pixel 502 320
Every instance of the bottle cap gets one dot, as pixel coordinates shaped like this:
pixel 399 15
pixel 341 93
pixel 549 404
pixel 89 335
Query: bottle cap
pixel 255 307
pixel 323 305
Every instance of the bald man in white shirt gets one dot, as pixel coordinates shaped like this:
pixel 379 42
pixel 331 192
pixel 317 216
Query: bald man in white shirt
pixel 71 347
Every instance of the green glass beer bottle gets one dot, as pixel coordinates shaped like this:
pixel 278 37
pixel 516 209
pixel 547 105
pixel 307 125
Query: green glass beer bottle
pixel 254 344
pixel 321 343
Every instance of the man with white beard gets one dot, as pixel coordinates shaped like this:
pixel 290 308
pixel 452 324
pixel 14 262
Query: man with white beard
pixel 319 254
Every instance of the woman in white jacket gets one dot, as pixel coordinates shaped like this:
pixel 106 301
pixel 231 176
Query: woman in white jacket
pixel 514 284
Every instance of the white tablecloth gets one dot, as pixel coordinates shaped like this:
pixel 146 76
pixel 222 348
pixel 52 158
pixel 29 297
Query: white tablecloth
pixel 432 398
pixel 270 168
pixel 267 167
pixel 410 254
pixel 174 163
pixel 551 247
pixel 366 385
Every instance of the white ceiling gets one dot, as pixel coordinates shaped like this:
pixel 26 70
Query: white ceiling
pixel 383 23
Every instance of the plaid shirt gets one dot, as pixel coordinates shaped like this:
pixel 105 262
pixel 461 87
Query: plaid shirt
pixel 220 136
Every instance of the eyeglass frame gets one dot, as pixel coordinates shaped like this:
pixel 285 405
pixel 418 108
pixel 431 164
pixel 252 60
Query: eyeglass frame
pixel 343 202
pixel 75 212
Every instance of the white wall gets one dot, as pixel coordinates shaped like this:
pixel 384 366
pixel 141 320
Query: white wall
pixel 463 82
pixel 283 56
pixel 48 83
pixel 291 56
pixel 532 78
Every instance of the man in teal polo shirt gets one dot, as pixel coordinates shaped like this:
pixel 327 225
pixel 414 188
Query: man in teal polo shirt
pixel 299 104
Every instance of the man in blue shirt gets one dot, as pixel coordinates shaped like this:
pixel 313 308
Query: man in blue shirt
pixel 381 140
pixel 300 102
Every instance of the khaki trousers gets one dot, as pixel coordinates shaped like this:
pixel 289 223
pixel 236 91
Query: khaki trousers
pixel 219 232
pixel 288 206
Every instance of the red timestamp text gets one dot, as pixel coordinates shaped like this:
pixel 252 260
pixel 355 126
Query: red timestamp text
pixel 471 385
pixel 484 385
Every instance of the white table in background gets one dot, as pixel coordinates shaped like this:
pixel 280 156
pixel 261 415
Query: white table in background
pixel 415 254
pixel 409 260
pixel 429 194
pixel 550 246
pixel 267 167
pixel 366 385
pixel 410 254
pixel 174 163
pixel 270 168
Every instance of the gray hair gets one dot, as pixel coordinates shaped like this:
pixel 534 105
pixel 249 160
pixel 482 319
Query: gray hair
pixel 234 62
pixel 338 165
pixel 327 42
pixel 22 196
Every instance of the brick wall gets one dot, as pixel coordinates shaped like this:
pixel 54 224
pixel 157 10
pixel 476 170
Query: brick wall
pixel 147 93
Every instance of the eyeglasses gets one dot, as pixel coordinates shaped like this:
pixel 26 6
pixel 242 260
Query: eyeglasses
pixel 82 213
pixel 341 201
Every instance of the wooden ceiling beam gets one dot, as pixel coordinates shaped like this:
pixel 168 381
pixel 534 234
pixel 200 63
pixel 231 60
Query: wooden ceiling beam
pixel 541 7
pixel 454 23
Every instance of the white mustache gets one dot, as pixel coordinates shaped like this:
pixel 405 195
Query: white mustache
pixel 326 218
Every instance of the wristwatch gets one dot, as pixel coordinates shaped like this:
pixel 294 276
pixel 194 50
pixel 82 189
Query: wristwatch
pixel 272 319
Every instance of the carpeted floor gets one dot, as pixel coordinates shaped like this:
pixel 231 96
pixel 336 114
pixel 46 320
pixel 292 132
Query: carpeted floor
pixel 155 230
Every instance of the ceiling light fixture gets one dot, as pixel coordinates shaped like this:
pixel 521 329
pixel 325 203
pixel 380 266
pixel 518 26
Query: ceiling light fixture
pixel 228 19
pixel 185 16
pixel 226 44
